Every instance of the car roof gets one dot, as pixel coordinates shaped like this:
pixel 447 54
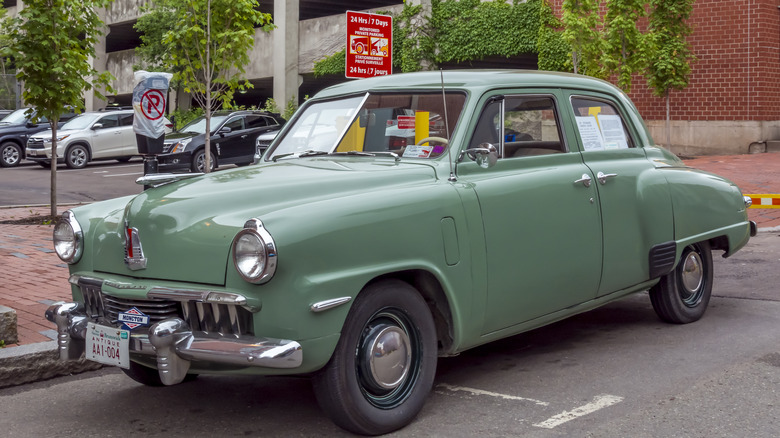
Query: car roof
pixel 478 80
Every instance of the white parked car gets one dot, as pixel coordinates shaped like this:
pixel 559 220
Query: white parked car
pixel 97 135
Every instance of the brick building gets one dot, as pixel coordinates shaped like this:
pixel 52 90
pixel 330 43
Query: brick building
pixel 732 104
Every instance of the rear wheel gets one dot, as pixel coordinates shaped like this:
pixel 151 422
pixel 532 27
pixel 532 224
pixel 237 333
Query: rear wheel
pixel 10 154
pixel 384 364
pixel 682 295
pixel 76 157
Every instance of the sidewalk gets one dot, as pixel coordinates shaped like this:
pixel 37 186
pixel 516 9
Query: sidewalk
pixel 32 276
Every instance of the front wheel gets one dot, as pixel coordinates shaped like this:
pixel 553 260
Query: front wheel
pixel 683 294
pixel 384 364
pixel 10 154
pixel 199 161
pixel 76 157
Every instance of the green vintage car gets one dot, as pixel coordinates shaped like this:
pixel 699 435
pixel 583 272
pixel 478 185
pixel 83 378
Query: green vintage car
pixel 392 221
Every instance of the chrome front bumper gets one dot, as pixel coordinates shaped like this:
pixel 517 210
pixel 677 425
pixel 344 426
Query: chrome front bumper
pixel 175 345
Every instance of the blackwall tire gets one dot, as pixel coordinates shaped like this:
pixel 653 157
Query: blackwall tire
pixel 682 295
pixel 367 387
pixel 76 157
pixel 11 154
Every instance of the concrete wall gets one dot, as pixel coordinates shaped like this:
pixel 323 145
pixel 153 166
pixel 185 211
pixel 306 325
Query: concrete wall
pixel 718 137
pixel 122 11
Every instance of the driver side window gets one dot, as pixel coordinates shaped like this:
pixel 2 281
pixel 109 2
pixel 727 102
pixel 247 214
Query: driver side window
pixel 520 126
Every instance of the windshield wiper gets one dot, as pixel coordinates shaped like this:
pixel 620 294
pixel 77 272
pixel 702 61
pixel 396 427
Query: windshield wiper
pixel 306 153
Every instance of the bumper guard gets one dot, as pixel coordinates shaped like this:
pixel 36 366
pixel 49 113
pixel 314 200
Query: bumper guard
pixel 175 345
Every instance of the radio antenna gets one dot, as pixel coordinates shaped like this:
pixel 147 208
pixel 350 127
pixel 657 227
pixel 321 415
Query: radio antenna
pixel 452 177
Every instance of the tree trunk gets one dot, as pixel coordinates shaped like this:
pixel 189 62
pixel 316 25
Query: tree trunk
pixel 207 69
pixel 53 200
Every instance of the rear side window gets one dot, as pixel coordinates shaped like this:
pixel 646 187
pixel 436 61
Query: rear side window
pixel 126 120
pixel 600 125
pixel 255 122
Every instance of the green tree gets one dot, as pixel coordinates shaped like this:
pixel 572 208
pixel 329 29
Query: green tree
pixel 208 44
pixel 553 50
pixel 669 67
pixel 51 42
pixel 152 25
pixel 582 30
pixel 624 49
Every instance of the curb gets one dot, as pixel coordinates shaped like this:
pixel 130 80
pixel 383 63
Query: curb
pixel 35 362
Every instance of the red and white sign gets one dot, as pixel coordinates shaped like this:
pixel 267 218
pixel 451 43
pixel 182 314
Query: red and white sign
pixel 406 122
pixel 153 104
pixel 369 45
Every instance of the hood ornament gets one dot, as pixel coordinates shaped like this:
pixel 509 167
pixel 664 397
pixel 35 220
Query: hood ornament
pixel 134 254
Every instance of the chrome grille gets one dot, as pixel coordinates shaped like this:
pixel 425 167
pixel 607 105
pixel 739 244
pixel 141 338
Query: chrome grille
pixel 218 318
pixel 224 319
pixel 34 143
pixel 98 304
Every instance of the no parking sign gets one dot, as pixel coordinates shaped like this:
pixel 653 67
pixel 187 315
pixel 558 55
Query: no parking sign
pixel 149 105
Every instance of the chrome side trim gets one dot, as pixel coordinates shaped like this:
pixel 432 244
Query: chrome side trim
pixel 329 304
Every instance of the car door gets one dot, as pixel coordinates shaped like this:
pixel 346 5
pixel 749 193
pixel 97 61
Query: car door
pixel 541 221
pixel 127 135
pixel 235 144
pixel 107 137
pixel 633 196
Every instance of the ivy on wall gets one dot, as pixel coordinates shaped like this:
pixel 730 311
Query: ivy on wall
pixel 463 31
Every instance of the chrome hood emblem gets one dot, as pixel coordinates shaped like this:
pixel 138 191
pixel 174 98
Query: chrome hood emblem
pixel 134 254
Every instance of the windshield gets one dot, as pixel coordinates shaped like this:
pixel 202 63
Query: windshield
pixel 15 118
pixel 376 123
pixel 198 125
pixel 81 121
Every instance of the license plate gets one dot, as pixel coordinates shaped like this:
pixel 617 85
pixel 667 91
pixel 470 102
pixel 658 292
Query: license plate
pixel 32 153
pixel 108 345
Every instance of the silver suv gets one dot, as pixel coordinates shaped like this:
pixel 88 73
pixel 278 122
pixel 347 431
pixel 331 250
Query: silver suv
pixel 89 136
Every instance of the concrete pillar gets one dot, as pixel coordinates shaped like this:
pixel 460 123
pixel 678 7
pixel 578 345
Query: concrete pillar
pixel 286 43
pixel 91 100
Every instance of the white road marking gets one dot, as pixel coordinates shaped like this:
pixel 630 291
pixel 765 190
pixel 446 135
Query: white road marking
pixel 123 174
pixel 488 393
pixel 599 402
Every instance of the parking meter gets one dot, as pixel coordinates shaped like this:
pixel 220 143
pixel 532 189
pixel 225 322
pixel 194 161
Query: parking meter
pixel 149 101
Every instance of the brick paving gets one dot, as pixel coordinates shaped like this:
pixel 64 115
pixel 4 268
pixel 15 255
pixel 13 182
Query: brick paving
pixel 32 276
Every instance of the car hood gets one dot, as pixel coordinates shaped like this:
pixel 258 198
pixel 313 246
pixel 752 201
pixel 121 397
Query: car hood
pixel 186 228
pixel 176 136
pixel 14 127
pixel 60 132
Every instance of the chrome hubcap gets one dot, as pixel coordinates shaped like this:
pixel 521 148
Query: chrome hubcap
pixel 389 356
pixel 10 155
pixel 78 157
pixel 692 272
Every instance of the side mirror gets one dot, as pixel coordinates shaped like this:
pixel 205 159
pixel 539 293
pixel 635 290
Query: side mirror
pixel 97 126
pixel 225 130
pixel 486 155
pixel 30 124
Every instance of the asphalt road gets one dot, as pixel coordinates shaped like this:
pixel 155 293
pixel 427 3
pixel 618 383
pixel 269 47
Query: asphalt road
pixel 616 371
pixel 29 184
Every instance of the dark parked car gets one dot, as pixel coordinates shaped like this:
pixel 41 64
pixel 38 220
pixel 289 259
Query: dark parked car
pixel 233 140
pixel 16 128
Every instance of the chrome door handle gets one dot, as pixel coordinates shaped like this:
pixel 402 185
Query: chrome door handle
pixel 585 180
pixel 602 177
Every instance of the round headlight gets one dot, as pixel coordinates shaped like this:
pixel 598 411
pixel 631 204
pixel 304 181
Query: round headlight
pixel 254 253
pixel 68 238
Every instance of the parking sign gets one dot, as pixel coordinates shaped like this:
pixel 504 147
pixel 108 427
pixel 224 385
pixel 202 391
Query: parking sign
pixel 369 45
